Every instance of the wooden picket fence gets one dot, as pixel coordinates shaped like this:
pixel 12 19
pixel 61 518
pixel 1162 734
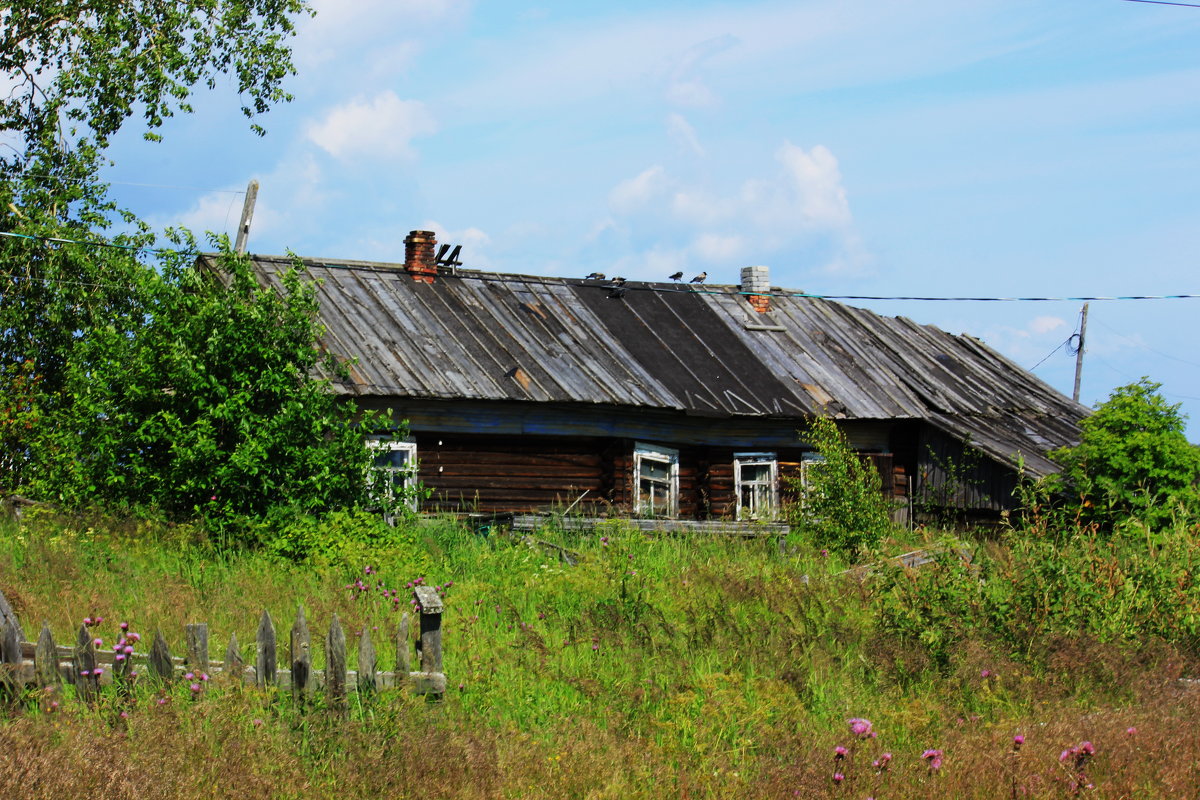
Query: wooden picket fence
pixel 45 664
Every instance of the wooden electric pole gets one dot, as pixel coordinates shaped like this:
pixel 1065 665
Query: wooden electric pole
pixel 1079 351
pixel 247 215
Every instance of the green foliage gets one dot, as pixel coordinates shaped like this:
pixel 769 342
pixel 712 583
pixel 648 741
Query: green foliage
pixel 207 407
pixel 1133 460
pixel 346 538
pixel 842 504
pixel 80 69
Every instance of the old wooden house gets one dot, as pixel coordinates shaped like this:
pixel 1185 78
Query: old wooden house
pixel 673 400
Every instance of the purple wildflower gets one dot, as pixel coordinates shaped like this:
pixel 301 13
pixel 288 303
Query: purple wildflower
pixel 839 753
pixel 934 759
pixel 838 777
pixel 861 728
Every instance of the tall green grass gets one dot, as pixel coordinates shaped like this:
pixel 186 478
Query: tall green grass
pixel 652 666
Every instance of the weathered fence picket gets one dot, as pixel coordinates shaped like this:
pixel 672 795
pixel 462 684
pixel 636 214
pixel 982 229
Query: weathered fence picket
pixel 264 662
pixel 46 664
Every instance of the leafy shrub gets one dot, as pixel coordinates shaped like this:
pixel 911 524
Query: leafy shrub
pixel 1133 460
pixel 842 504
pixel 345 538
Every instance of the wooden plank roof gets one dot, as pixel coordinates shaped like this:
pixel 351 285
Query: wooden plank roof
pixel 701 351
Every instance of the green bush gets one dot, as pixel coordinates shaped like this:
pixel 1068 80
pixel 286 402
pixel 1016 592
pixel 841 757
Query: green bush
pixel 1133 460
pixel 842 504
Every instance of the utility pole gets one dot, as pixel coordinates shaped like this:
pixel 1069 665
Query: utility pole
pixel 1079 351
pixel 247 215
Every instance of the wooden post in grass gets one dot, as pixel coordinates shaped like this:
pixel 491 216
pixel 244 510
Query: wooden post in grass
pixel 84 657
pixel 300 656
pixel 264 660
pixel 366 665
pixel 197 649
pixel 160 658
pixel 45 659
pixel 430 604
pixel 335 665
pixel 10 655
pixel 403 649
pixel 234 667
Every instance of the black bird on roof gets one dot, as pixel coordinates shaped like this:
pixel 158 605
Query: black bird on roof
pixel 595 276
pixel 677 276
pixel 699 278
pixel 617 291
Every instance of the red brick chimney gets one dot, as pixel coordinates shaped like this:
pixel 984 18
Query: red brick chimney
pixel 419 258
pixel 757 279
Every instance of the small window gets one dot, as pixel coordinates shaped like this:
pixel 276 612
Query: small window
pixel 809 464
pixel 656 474
pixel 393 472
pixel 756 481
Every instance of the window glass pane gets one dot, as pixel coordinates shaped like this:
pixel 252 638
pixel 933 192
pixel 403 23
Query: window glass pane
pixel 756 473
pixel 655 470
pixel 395 459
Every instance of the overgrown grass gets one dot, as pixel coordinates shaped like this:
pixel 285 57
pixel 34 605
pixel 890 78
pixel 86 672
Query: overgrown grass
pixel 655 666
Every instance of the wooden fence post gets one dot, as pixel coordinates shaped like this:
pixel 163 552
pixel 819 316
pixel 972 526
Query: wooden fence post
pixel 335 665
pixel 234 666
pixel 10 658
pixel 430 604
pixel 45 659
pixel 86 680
pixel 264 661
pixel 197 649
pixel 403 650
pixel 366 665
pixel 160 658
pixel 300 656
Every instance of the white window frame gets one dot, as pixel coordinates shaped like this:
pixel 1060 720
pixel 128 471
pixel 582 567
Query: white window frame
pixel 741 460
pixel 808 462
pixel 379 445
pixel 643 452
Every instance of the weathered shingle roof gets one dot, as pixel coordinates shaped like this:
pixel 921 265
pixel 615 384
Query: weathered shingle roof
pixel 489 336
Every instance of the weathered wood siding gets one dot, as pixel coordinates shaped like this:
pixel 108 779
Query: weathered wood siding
pixel 511 473
pixel 951 475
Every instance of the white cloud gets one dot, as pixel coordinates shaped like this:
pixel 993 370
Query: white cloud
pixel 634 193
pixel 818 184
pixel 718 249
pixel 381 127
pixel 683 133
pixel 804 206
pixel 684 87
pixel 1044 324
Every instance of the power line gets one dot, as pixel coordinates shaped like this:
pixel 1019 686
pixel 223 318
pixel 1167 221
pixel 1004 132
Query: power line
pixel 1057 347
pixel 648 287
pixel 1165 3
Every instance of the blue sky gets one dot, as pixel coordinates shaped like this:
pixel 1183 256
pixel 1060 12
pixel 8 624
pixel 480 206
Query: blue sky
pixel 857 148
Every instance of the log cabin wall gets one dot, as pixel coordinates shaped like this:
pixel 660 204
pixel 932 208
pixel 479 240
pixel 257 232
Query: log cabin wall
pixel 512 473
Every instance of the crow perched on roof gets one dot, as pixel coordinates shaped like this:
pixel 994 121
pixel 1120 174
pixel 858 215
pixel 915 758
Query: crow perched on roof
pixel 699 278
pixel 617 291
pixel 595 276
pixel 677 276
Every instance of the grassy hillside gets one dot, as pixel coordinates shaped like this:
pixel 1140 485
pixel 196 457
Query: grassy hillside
pixel 654 667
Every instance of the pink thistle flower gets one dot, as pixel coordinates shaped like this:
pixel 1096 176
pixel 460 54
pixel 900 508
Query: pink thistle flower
pixel 162 701
pixel 128 649
pixel 98 671
pixel 838 777
pixel 124 626
pixel 1018 740
pixel 85 673
pixel 87 621
pixel 53 705
pixel 1131 731
pixel 258 723
pixel 98 642
pixel 203 676
pixel 190 676
pixel 934 758
pixel 861 728
pixel 124 715
pixel 839 753
pixel 195 687
pixel 987 673
pixel 119 657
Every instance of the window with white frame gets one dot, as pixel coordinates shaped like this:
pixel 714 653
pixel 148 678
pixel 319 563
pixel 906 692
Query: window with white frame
pixel 393 472
pixel 756 481
pixel 810 463
pixel 656 480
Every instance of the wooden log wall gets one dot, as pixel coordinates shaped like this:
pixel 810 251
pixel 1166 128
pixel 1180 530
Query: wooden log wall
pixel 46 665
pixel 511 473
